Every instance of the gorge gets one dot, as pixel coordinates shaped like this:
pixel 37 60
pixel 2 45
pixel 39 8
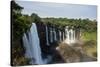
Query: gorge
pixel 33 42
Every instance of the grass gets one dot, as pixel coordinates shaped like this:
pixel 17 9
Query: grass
pixel 90 43
pixel 90 48
pixel 87 36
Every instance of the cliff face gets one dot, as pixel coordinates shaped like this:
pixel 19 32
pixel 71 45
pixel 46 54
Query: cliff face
pixel 41 28
pixel 45 48
pixel 74 53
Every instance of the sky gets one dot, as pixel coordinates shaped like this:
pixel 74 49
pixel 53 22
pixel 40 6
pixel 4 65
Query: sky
pixel 47 9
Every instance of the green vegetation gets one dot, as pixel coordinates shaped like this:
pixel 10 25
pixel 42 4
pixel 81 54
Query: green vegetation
pixel 87 36
pixel 90 48
pixel 90 43
pixel 84 24
pixel 35 18
pixel 21 23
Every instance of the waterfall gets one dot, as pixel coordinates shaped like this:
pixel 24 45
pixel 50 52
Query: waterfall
pixel 28 53
pixel 47 36
pixel 60 35
pixel 32 45
pixel 51 35
pixel 70 35
pixel 55 38
pixel 67 34
pixel 74 35
pixel 31 42
pixel 63 36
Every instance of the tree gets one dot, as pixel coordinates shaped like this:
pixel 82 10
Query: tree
pixel 35 18
pixel 20 23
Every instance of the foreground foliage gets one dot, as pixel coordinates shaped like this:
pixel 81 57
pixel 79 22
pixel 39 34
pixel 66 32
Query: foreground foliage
pixel 20 23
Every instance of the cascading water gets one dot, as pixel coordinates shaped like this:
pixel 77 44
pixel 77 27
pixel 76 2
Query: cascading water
pixel 59 35
pixel 32 45
pixel 55 38
pixel 63 36
pixel 70 35
pixel 67 35
pixel 28 53
pixel 47 36
pixel 51 35
pixel 74 35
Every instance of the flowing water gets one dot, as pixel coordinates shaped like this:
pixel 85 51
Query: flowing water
pixel 47 36
pixel 31 42
pixel 51 35
pixel 60 35
pixel 55 38
pixel 32 45
pixel 70 35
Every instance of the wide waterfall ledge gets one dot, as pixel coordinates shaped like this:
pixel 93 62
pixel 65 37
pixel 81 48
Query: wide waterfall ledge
pixel 72 35
pixel 31 41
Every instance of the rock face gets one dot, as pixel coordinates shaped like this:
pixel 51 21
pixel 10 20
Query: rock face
pixel 41 28
pixel 68 53
pixel 73 53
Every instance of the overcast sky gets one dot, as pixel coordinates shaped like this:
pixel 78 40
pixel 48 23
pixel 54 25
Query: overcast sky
pixel 44 9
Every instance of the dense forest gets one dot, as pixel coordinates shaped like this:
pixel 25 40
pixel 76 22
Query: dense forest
pixel 21 23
